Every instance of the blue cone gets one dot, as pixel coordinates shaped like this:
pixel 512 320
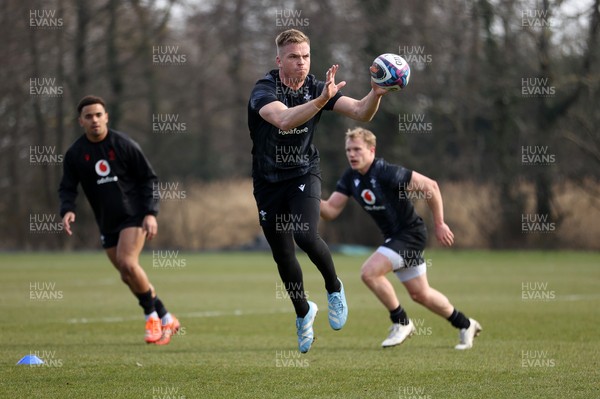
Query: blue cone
pixel 30 359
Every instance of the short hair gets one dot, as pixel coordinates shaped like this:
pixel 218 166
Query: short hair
pixel 290 36
pixel 89 100
pixel 362 133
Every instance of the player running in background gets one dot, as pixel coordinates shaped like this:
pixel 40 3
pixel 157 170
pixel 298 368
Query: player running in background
pixel 119 184
pixel 283 112
pixel 384 191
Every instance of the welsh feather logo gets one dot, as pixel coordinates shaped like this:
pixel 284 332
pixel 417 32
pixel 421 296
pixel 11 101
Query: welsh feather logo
pixel 102 168
pixel 368 196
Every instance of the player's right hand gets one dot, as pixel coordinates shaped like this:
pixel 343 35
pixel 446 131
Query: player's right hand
pixel 67 220
pixel 331 88
pixel 444 235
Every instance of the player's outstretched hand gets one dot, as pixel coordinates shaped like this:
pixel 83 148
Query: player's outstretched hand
pixel 444 235
pixel 68 218
pixel 150 226
pixel 331 88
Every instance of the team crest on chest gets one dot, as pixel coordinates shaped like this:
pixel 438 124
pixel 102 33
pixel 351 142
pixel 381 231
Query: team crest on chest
pixel 368 196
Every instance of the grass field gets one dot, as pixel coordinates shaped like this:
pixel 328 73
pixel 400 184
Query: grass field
pixel 539 312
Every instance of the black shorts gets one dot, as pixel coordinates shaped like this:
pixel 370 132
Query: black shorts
pixel 274 199
pixel 110 240
pixel 409 244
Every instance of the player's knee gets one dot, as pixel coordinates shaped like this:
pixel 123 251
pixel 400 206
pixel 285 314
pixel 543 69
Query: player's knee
pixel 127 267
pixel 306 240
pixel 419 297
pixel 368 274
pixel 283 256
pixel 365 276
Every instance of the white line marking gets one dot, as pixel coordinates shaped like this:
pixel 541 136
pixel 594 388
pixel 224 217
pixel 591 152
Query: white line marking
pixel 576 297
pixel 193 315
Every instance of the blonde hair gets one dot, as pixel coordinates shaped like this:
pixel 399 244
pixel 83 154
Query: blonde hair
pixel 362 133
pixel 290 36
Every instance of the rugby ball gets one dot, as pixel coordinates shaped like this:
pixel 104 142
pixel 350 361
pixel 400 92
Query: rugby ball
pixel 390 71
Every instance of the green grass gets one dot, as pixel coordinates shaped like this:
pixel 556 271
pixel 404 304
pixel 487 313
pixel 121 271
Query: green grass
pixel 238 338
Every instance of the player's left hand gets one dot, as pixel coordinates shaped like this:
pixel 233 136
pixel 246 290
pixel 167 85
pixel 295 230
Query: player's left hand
pixel 444 235
pixel 378 90
pixel 150 226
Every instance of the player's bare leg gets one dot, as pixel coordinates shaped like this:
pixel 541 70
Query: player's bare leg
pixel 419 290
pixel 373 274
pixel 125 258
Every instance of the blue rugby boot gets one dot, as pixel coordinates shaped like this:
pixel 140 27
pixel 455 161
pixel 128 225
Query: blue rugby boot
pixel 304 326
pixel 338 308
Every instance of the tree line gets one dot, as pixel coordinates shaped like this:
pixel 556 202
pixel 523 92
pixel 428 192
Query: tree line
pixel 502 94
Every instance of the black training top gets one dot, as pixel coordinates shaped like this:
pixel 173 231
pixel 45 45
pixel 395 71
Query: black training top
pixel 382 194
pixel 116 178
pixel 279 155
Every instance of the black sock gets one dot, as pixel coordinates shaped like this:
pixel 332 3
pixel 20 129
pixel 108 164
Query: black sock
pixel 146 302
pixel 296 293
pixel 398 316
pixel 301 308
pixel 459 320
pixel 337 287
pixel 160 307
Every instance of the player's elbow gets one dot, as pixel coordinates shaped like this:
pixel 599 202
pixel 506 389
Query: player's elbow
pixel 433 187
pixel 367 118
pixel 327 212
pixel 278 119
pixel 326 216
pixel 366 113
pixel 361 116
pixel 284 125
